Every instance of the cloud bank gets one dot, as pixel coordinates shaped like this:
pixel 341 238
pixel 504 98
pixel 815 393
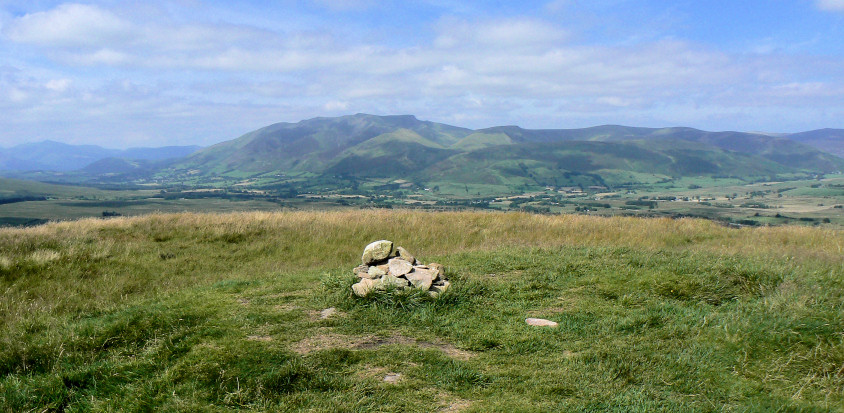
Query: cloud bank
pixel 93 72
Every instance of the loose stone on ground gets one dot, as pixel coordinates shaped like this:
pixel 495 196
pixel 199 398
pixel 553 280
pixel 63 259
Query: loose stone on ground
pixel 328 312
pixel 392 377
pixel 540 322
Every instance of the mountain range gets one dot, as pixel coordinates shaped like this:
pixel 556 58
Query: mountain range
pixel 56 156
pixel 365 146
pixel 369 146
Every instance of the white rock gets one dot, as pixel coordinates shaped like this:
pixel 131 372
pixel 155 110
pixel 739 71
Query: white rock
pixel 392 377
pixel 540 322
pixel 328 312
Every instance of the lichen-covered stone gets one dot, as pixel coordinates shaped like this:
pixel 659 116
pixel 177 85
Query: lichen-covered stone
pixel 439 270
pixel 391 280
pixel 440 286
pixel 405 255
pixel 399 267
pixel 385 268
pixel 377 251
pixel 421 278
pixel 363 287
pixel 376 272
pixel 362 271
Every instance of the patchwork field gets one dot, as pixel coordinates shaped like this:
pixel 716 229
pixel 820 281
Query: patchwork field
pixel 730 201
pixel 224 312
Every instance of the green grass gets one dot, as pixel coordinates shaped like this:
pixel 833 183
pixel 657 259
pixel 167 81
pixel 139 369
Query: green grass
pixel 221 312
pixel 11 188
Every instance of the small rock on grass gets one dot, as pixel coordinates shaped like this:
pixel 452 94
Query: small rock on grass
pixel 392 377
pixel 540 322
pixel 328 312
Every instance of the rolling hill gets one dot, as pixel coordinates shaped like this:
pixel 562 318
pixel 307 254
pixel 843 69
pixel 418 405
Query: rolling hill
pixel 369 146
pixel 57 156
pixel 827 140
pixel 316 145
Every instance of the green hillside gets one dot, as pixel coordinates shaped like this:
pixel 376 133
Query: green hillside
pixel 479 140
pixel 827 140
pixel 787 152
pixel 14 188
pixel 401 153
pixel 327 152
pixel 205 312
pixel 565 163
pixel 311 145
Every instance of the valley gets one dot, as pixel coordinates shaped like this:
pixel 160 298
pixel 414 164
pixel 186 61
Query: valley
pixel 368 161
pixel 816 202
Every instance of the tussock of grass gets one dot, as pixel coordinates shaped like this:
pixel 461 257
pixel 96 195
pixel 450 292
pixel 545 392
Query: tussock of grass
pixel 191 312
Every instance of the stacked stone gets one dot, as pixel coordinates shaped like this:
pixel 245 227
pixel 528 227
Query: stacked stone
pixel 382 267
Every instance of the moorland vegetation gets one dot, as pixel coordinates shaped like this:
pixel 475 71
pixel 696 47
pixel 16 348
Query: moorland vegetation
pixel 222 312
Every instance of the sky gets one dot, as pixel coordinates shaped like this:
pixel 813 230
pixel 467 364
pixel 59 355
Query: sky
pixel 152 73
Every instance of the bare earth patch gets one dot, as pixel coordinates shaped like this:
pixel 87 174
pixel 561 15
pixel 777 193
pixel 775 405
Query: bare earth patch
pixel 259 338
pixel 285 307
pixel 501 277
pixel 331 340
pixel 371 372
pixel 448 403
pixel 328 313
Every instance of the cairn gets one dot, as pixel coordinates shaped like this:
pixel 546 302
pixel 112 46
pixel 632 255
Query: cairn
pixel 382 267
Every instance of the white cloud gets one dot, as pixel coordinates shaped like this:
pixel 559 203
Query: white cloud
pixel 105 56
pixel 58 85
pixel 16 95
pixel 511 32
pixel 556 6
pixel 831 5
pixel 69 25
pixel 482 71
pixel 335 106
pixel 345 5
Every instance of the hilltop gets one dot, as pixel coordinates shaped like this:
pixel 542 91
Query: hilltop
pixel 201 312
pixel 403 147
pixel 327 154
pixel 57 156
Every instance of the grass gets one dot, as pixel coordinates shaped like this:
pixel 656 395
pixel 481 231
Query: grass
pixel 208 312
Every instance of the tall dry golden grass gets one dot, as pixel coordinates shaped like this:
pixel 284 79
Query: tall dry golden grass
pixel 342 233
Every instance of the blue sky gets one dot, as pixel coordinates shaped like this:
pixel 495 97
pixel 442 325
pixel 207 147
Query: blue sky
pixel 151 73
